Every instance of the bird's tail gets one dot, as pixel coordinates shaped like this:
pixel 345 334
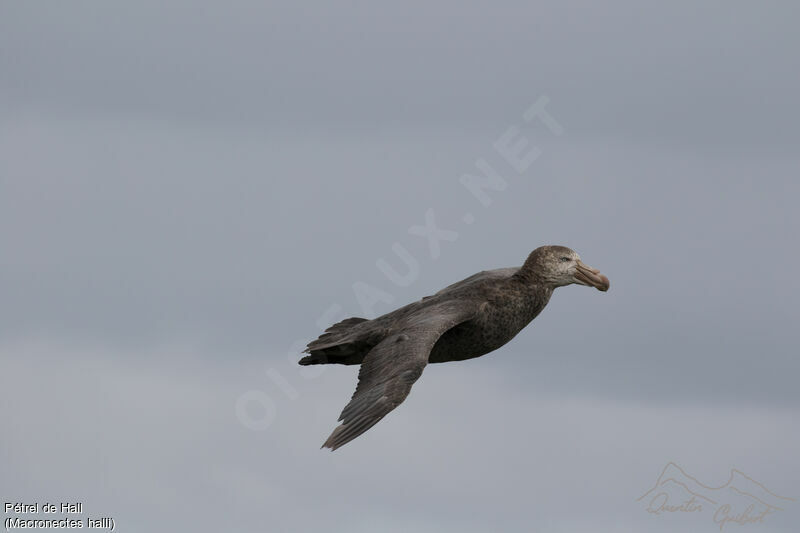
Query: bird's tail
pixel 338 345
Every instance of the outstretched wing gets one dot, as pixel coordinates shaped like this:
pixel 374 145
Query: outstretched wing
pixel 393 365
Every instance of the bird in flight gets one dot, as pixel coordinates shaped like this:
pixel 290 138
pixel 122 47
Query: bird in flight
pixel 468 319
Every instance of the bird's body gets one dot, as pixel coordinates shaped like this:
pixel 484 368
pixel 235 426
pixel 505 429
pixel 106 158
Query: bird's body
pixel 505 306
pixel 468 319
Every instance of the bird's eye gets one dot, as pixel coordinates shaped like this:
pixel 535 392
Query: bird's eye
pixel 565 259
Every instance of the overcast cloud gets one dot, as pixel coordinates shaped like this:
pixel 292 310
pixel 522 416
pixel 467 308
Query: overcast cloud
pixel 187 192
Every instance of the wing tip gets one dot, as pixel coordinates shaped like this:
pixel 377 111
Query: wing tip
pixel 330 444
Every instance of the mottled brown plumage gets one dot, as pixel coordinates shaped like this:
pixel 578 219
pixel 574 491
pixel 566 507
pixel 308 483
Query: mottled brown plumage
pixel 467 319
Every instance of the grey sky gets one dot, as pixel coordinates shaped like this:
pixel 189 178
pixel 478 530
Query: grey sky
pixel 185 191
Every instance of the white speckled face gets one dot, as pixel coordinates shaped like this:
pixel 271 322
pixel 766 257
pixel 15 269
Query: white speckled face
pixel 556 264
pixel 567 262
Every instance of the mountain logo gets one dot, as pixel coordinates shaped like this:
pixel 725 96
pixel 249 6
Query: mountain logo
pixel 741 500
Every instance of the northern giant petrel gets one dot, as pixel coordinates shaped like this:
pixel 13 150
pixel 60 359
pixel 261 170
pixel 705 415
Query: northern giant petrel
pixel 467 319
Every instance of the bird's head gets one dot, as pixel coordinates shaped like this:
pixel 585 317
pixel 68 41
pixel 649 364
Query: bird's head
pixel 559 266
